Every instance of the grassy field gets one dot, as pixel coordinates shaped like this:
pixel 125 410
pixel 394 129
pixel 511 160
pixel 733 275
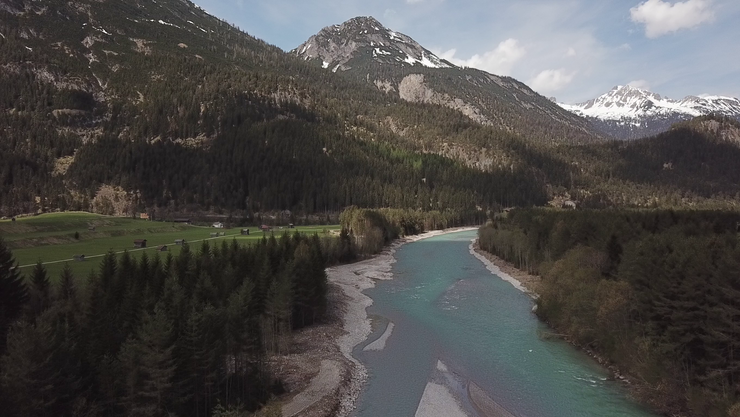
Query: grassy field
pixel 51 238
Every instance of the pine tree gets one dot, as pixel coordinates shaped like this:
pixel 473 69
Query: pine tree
pixel 276 324
pixel 150 366
pixel 198 361
pixel 100 338
pixel 39 294
pixel 108 270
pixel 13 292
pixel 67 289
pixel 40 374
pixel 28 374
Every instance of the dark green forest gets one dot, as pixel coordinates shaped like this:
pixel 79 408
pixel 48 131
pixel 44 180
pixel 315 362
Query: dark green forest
pixel 185 335
pixel 178 335
pixel 223 122
pixel 655 292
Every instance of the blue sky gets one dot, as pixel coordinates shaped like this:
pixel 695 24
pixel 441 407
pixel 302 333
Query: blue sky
pixel 570 49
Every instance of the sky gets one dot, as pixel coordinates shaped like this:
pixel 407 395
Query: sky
pixel 574 50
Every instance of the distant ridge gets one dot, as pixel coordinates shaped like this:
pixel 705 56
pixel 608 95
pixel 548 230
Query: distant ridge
pixel 628 112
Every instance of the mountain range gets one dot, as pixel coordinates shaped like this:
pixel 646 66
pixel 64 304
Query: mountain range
pixel 397 65
pixel 628 112
pixel 122 106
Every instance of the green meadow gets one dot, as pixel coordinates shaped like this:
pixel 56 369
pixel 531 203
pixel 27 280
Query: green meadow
pixel 52 239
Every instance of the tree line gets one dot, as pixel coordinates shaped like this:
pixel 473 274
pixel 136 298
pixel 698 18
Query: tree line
pixel 183 335
pixel 656 292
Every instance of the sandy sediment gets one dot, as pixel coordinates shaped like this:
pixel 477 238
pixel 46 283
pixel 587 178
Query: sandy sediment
pixel 507 271
pixel 379 343
pixel 320 386
pixel 437 401
pixel 485 404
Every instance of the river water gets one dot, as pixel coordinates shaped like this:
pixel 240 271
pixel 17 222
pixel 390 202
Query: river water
pixel 445 306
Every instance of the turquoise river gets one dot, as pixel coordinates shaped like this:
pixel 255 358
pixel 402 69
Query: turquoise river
pixel 446 306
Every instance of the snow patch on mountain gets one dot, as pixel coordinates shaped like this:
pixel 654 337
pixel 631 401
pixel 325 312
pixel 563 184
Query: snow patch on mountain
pixel 628 112
pixel 627 102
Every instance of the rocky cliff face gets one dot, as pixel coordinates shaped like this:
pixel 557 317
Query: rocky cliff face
pixel 364 38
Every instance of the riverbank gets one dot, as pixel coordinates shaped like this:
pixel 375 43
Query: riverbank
pixel 319 372
pixel 530 284
pixel 521 280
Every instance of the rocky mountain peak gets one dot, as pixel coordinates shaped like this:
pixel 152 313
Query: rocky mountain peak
pixel 363 49
pixel 362 39
pixel 623 97
pixel 628 112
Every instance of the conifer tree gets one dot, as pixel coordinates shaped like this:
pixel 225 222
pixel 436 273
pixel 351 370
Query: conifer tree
pixel 67 288
pixel 150 366
pixel 13 292
pixel 276 325
pixel 40 374
pixel 198 359
pixel 39 294
pixel 108 270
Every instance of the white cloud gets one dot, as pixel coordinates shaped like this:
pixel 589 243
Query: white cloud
pixel 414 1
pixel 625 47
pixel 639 84
pixel 498 61
pixel 549 81
pixel 661 17
pixel 571 52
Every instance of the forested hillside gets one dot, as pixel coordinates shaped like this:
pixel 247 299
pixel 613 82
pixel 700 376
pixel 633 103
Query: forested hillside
pixel 168 106
pixel 691 165
pixel 656 292
pixel 120 107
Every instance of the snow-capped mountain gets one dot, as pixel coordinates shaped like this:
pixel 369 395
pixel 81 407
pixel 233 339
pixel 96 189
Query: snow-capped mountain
pixel 396 64
pixel 336 45
pixel 628 112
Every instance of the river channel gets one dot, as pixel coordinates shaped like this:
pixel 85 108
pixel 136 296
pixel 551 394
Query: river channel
pixel 445 319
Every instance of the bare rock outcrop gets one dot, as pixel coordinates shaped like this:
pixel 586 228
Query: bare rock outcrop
pixel 413 88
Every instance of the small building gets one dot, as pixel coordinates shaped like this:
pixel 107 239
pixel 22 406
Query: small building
pixel 291 226
pixel 140 243
pixel 214 234
pixel 179 242
pixel 222 233
pixel 144 216
pixel 569 204
pixel 78 258
pixel 218 225
pixel 265 228
pixel 162 248
pixel 245 232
